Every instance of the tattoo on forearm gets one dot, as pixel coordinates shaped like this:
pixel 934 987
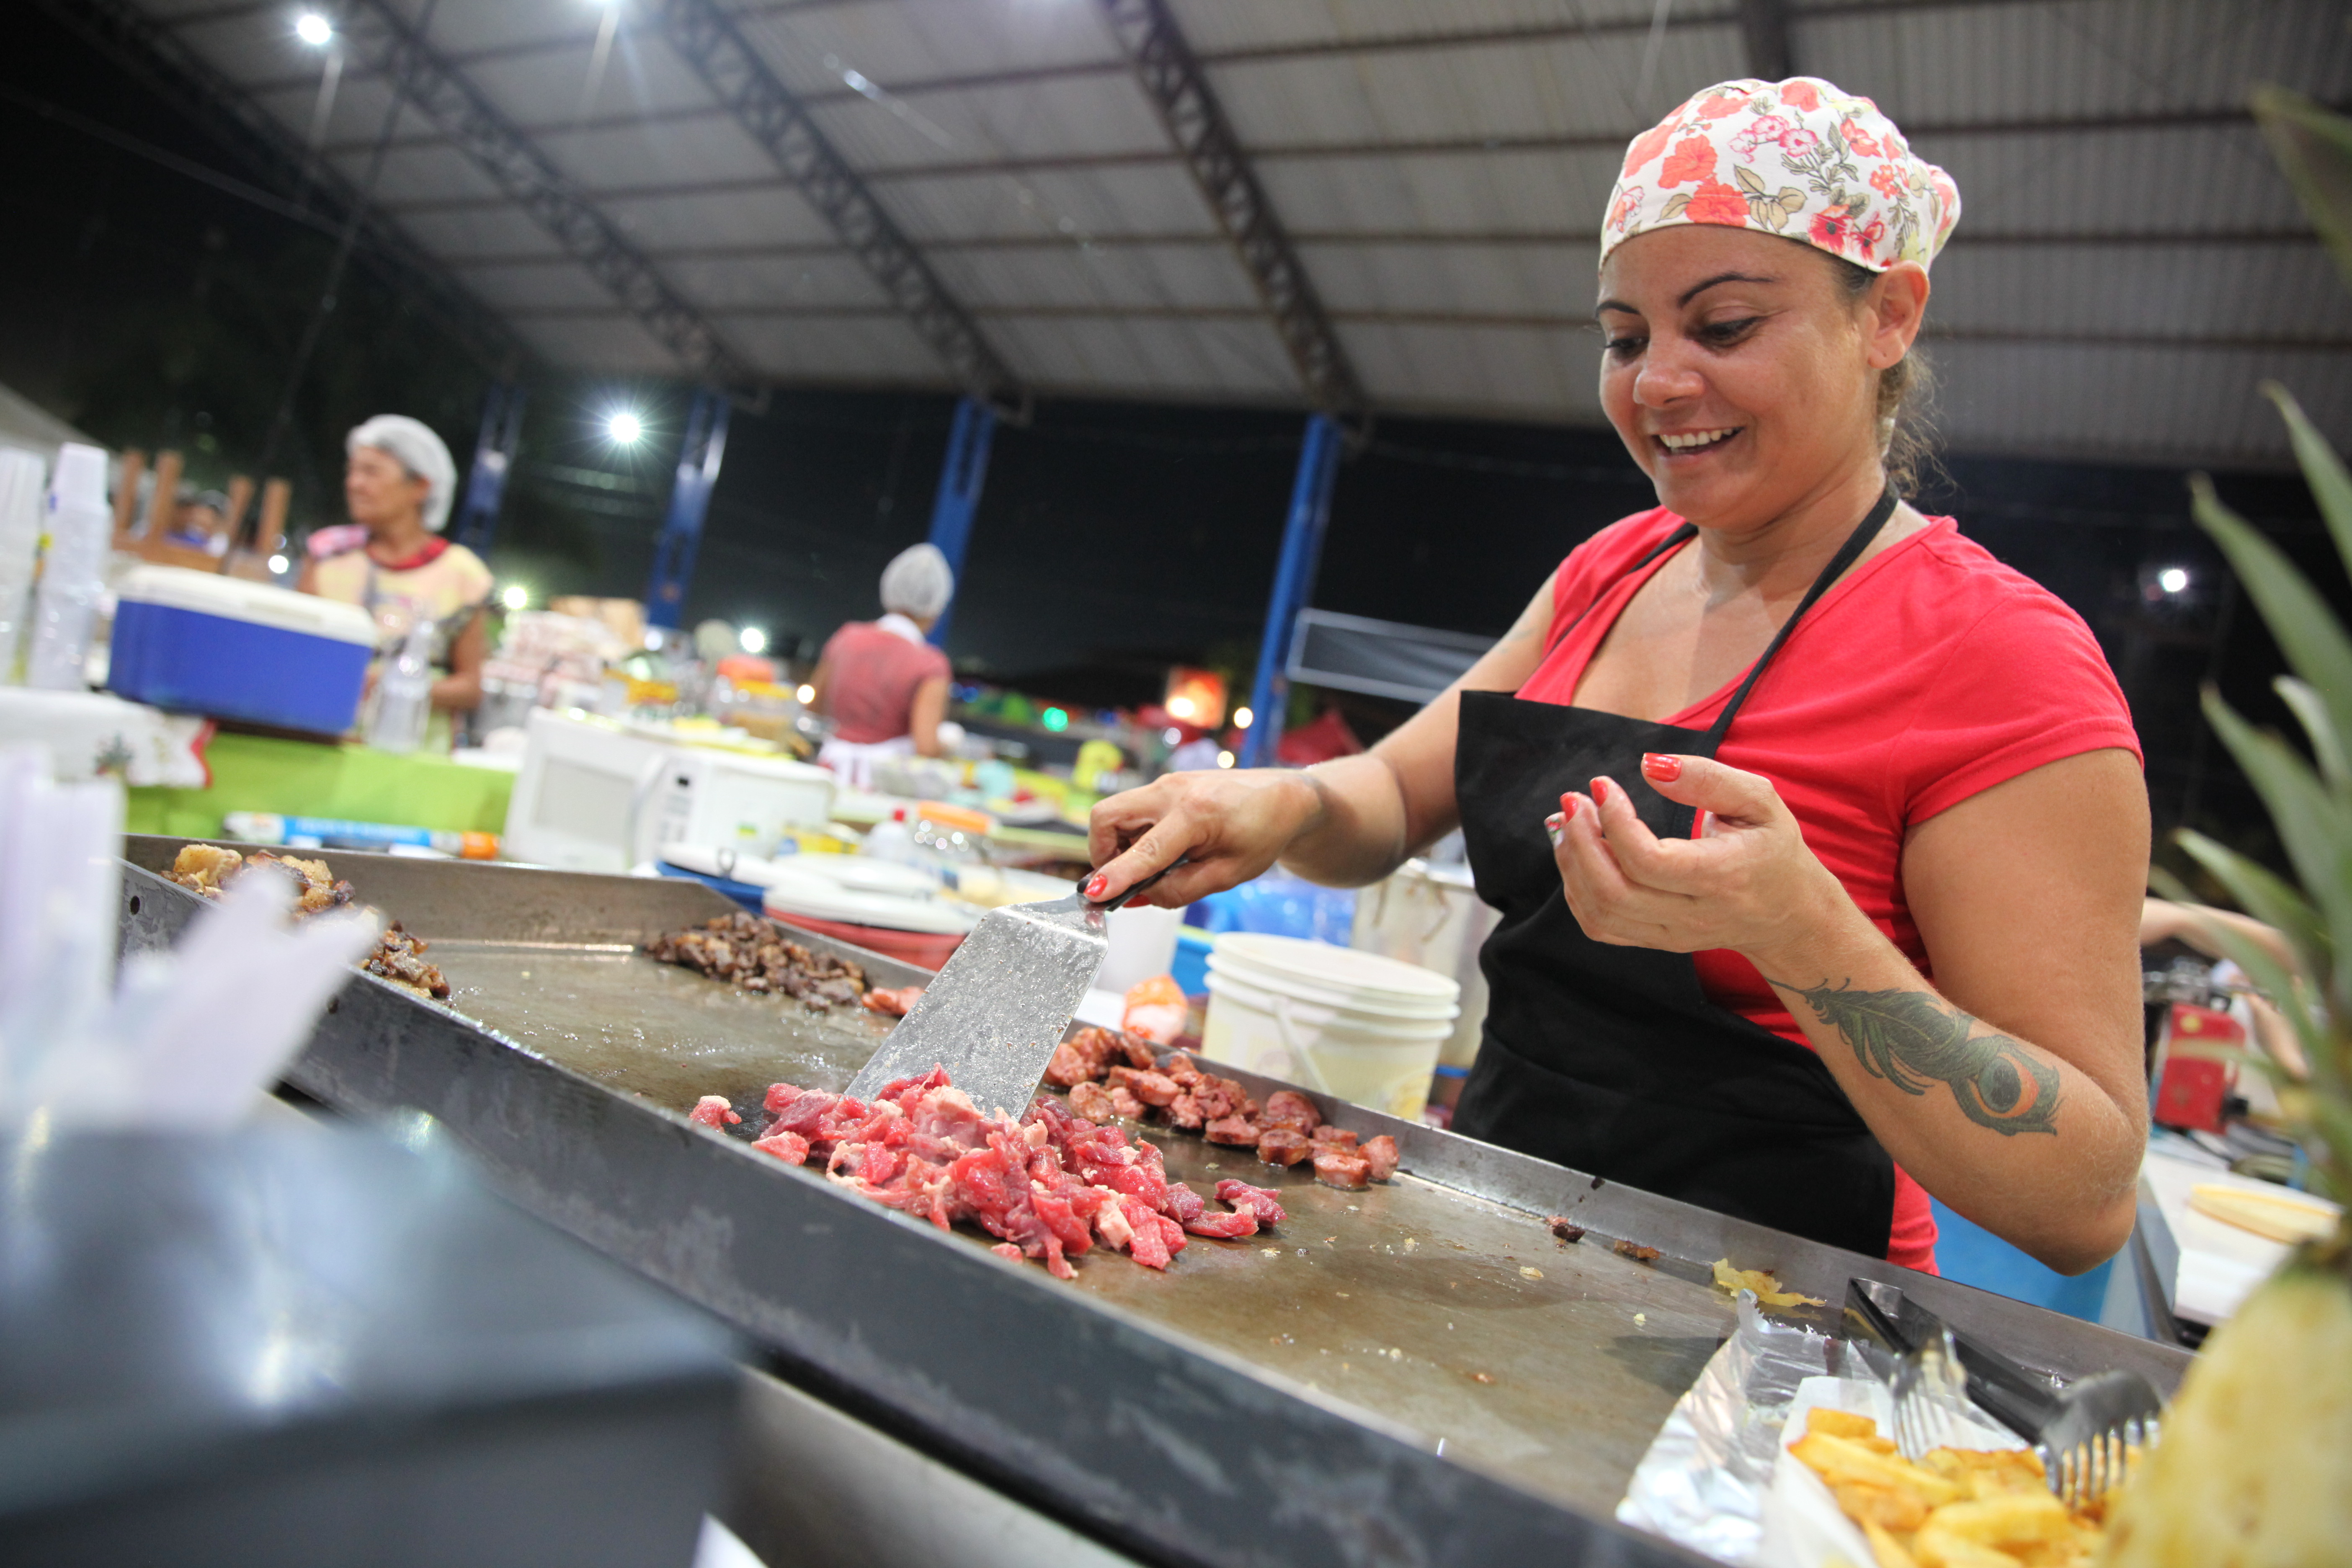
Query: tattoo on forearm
pixel 1913 1038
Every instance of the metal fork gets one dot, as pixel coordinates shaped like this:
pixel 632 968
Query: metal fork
pixel 2083 1432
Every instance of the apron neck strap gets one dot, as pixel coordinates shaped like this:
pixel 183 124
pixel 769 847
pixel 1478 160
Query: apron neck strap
pixel 1847 554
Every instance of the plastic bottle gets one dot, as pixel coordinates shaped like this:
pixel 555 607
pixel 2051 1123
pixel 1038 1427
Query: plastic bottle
pixel 403 694
pixel 20 545
pixel 81 530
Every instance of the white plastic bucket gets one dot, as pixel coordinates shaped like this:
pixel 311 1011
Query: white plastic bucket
pixel 1353 1024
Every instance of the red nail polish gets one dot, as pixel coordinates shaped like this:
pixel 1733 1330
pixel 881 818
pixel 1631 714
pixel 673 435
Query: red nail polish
pixel 1567 807
pixel 1600 791
pixel 1663 768
pixel 1096 884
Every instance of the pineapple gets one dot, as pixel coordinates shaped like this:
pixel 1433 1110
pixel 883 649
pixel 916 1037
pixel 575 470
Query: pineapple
pixel 2254 1466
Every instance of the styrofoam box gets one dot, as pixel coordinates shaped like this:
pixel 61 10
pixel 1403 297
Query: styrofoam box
pixel 200 643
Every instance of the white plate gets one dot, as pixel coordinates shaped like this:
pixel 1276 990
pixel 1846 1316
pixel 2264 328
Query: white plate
pixel 811 896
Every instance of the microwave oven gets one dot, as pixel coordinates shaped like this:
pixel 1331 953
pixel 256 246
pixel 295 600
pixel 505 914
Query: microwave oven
pixel 594 795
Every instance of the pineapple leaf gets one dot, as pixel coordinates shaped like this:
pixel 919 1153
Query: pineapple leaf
pixel 2311 708
pixel 2322 471
pixel 2306 629
pixel 2309 823
pixel 2270 978
pixel 2267 896
pixel 2314 149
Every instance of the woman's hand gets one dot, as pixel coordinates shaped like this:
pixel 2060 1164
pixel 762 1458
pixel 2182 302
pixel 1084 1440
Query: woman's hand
pixel 1231 822
pixel 1747 883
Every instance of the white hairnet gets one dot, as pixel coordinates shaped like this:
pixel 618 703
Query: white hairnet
pixel 917 582
pixel 417 449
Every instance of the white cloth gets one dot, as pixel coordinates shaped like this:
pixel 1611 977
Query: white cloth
pixel 853 765
pixel 413 444
pixel 917 582
pixel 898 625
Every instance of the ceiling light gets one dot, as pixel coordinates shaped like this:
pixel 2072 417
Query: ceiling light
pixel 278 564
pixel 1179 707
pixel 1224 759
pixel 314 29
pixel 807 694
pixel 754 640
pixel 1241 716
pixel 2173 579
pixel 515 597
pixel 625 428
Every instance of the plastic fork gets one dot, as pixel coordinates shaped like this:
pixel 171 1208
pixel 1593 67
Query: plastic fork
pixel 2083 1432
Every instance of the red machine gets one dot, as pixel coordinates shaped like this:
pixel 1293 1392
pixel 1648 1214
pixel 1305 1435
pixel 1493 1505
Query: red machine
pixel 2190 1088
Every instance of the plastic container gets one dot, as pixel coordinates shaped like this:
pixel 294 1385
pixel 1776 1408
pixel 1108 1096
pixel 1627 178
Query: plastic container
pixel 205 644
pixel 1353 1024
pixel 20 543
pixel 404 695
pixel 1430 915
pixel 73 563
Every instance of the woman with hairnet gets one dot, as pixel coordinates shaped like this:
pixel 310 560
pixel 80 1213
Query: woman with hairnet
pixel 885 687
pixel 393 563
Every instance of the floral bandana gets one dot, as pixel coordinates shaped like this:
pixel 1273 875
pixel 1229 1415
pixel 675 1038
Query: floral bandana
pixel 1801 158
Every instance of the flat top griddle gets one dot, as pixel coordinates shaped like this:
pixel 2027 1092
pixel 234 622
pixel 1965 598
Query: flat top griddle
pixel 1396 1302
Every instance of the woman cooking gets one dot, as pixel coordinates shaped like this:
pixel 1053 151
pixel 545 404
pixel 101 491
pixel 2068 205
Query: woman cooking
pixel 885 687
pixel 393 563
pixel 1819 836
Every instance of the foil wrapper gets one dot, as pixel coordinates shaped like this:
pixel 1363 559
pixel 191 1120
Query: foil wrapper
pixel 1704 1481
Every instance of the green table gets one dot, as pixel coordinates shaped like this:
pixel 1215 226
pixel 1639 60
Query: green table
pixel 304 778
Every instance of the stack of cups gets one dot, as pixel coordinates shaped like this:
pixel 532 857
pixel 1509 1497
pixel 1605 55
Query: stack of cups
pixel 73 568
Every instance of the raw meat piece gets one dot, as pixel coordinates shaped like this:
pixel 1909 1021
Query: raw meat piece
pixel 1184 1205
pixel 1259 1201
pixel 713 1112
pixel 1152 1087
pixel 1237 1130
pixel 1288 1107
pixel 1089 1100
pixel 1006 1249
pixel 1339 1168
pixel 1381 1152
pixel 1123 1101
pixel 780 1095
pixel 1281 1146
pixel 1329 1137
pixel 1185 1111
pixel 790 1147
pixel 1224 1226
pixel 895 1003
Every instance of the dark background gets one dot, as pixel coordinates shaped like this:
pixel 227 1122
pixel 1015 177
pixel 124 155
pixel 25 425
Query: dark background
pixel 158 305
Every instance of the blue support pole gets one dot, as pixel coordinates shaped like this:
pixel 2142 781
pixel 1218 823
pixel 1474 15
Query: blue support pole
pixel 680 539
pixel 1294 580
pixel 494 455
pixel 966 471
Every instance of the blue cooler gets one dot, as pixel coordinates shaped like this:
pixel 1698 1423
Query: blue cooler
pixel 201 643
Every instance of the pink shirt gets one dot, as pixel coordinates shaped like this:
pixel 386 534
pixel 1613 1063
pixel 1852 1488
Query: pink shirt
pixel 875 672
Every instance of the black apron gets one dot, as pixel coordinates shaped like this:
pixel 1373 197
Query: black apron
pixel 1610 1060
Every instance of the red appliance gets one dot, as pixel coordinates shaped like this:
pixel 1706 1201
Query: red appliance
pixel 2190 1088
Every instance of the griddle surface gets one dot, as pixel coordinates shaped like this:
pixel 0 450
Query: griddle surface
pixel 1391 1302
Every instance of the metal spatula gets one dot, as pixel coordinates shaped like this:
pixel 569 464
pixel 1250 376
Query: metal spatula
pixel 1002 1002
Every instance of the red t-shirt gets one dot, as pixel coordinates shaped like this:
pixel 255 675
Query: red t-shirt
pixel 1931 673
pixel 871 690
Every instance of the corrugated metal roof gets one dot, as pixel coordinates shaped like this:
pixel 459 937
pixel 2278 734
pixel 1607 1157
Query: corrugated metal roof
pixel 2129 266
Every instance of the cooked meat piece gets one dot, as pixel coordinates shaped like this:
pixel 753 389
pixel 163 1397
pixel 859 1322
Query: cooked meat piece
pixel 1339 1168
pixel 1288 1107
pixel 1181 1066
pixel 1219 1098
pixel 1329 1137
pixel 1259 1201
pixel 1091 1100
pixel 1069 1068
pixel 204 867
pixel 1562 1228
pixel 398 957
pixel 1185 1111
pixel 1281 1146
pixel 1098 1048
pixel 1152 1087
pixel 757 955
pixel 1636 1251
pixel 1124 1103
pixel 713 1112
pixel 1139 1052
pixel 894 1004
pixel 1382 1154
pixel 1235 1130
